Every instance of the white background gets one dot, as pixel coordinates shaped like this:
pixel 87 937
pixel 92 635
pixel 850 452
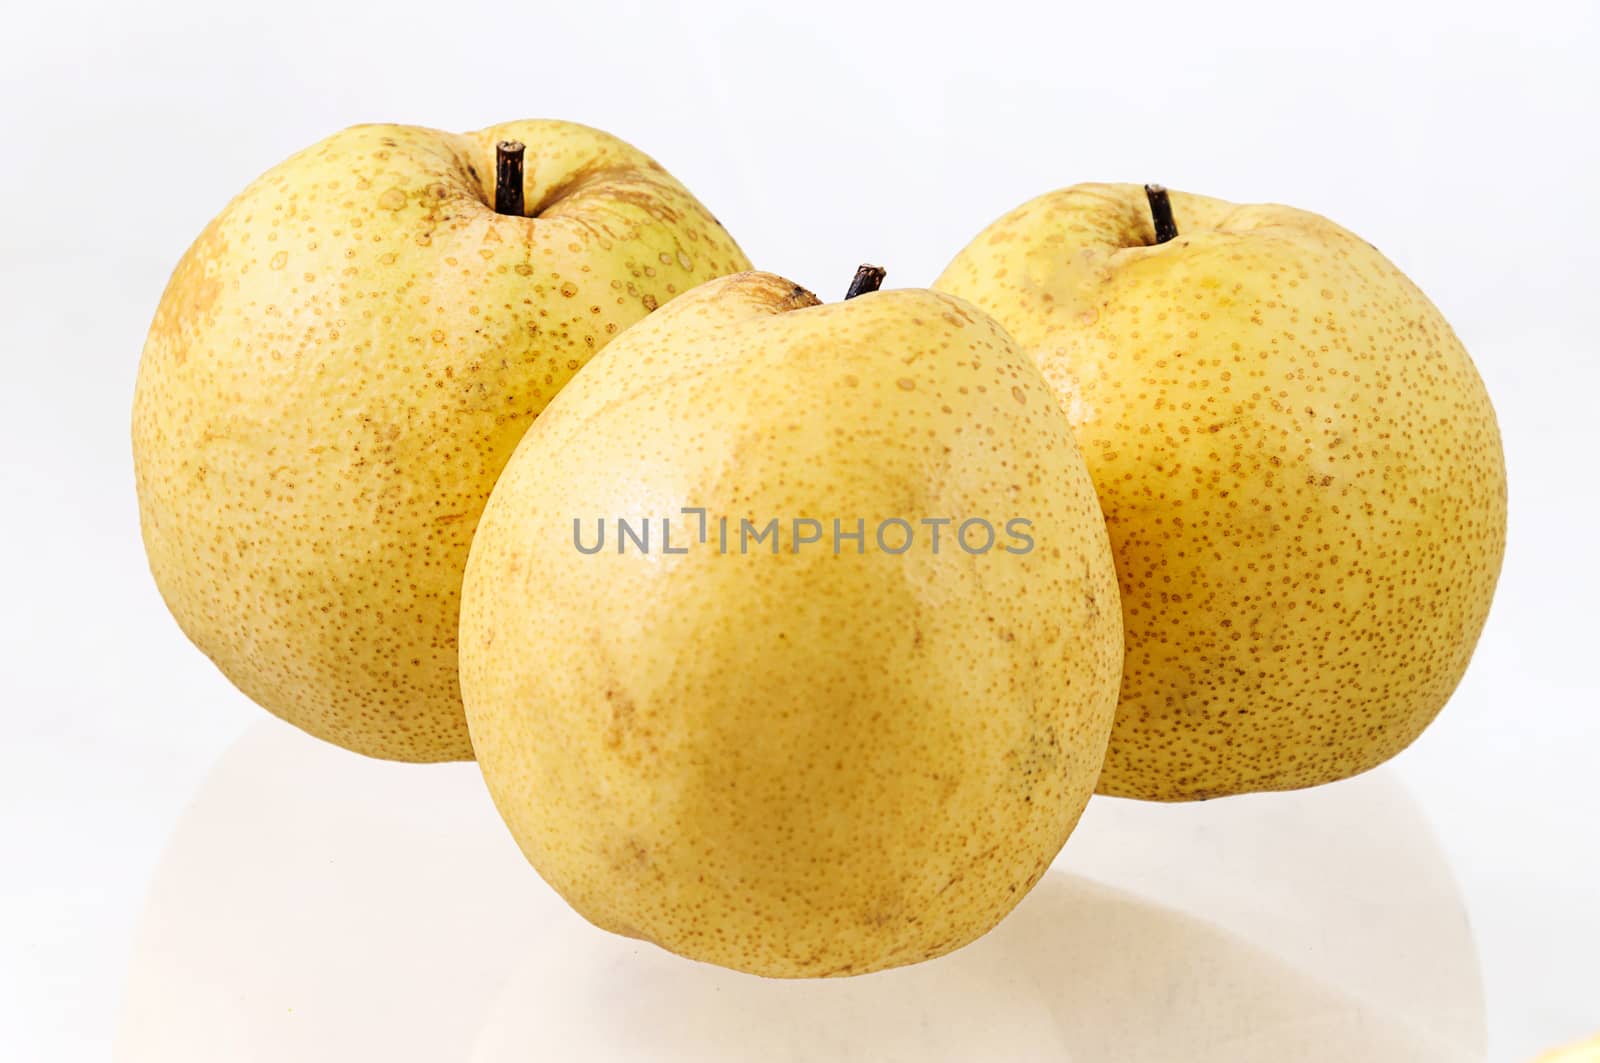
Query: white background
pixel 1458 138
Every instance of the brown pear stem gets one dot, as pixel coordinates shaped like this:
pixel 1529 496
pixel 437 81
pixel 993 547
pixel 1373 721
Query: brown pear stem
pixel 1161 212
pixel 867 279
pixel 508 177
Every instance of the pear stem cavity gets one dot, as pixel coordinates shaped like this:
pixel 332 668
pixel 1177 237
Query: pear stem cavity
pixel 1161 212
pixel 867 279
pixel 508 177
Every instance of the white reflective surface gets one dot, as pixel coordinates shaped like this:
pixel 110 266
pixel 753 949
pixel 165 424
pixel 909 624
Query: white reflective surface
pixel 378 911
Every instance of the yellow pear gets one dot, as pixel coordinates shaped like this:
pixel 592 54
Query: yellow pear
pixel 341 365
pixel 835 687
pixel 1299 466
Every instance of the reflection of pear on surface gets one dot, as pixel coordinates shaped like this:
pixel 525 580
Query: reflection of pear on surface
pixel 1167 986
pixel 375 912
pixel 1284 950
pixel 1081 971
pixel 600 997
pixel 1346 880
pixel 315 906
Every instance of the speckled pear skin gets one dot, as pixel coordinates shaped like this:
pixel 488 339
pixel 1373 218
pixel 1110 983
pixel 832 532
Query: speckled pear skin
pixel 1300 469
pixel 340 367
pixel 797 764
